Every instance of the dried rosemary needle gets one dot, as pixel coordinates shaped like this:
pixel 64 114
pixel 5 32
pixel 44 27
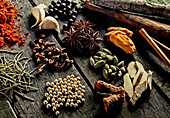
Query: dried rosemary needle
pixel 14 78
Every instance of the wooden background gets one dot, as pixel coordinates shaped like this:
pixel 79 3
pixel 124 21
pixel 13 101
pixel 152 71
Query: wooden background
pixel 154 104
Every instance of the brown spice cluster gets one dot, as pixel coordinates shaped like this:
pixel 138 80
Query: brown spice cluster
pixel 117 94
pixel 9 34
pixel 83 36
pixel 68 92
pixel 48 55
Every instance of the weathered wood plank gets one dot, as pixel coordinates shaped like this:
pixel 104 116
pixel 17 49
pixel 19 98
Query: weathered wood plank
pixel 6 111
pixel 148 107
pixel 35 109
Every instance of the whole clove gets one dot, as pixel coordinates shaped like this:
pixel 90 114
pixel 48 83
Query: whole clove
pixel 47 55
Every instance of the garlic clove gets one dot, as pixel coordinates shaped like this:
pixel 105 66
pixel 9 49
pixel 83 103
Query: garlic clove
pixel 128 85
pixel 39 13
pixel 49 23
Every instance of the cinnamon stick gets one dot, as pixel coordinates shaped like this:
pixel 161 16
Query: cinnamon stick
pixel 136 21
pixel 141 6
pixel 154 46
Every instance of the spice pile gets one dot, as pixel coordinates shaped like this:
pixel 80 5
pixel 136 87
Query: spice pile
pixel 64 10
pixel 112 67
pixel 47 54
pixel 9 34
pixel 121 38
pixel 117 94
pixel 83 36
pixel 142 80
pixel 14 79
pixel 68 92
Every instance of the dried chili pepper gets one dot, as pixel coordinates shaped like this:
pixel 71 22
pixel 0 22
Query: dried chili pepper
pixel 8 27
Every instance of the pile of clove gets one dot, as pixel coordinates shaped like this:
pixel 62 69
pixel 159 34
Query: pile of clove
pixel 47 55
pixel 117 94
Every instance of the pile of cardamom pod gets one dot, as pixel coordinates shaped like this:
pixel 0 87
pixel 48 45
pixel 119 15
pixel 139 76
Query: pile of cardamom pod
pixel 112 68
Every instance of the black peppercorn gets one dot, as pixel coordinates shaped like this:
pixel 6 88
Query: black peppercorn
pixel 65 27
pixel 54 2
pixel 74 3
pixel 56 17
pixel 73 17
pixel 75 12
pixel 51 11
pixel 51 6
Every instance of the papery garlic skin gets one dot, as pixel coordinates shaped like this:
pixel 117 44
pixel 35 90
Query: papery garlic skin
pixel 39 13
pixel 49 23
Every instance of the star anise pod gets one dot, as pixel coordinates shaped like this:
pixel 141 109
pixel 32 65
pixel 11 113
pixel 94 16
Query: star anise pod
pixel 72 39
pixel 83 26
pixel 91 41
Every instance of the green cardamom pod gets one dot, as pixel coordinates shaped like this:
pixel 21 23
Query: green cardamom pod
pixel 113 67
pixel 105 74
pixel 92 62
pixel 110 71
pixel 99 63
pixel 113 74
pixel 121 63
pixel 103 55
pixel 107 51
pixel 106 67
pixel 119 73
pixel 97 57
pixel 109 57
pixel 115 60
pixel 123 69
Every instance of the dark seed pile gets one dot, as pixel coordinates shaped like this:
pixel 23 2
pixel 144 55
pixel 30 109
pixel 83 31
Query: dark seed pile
pixel 64 10
pixel 68 92
pixel 48 55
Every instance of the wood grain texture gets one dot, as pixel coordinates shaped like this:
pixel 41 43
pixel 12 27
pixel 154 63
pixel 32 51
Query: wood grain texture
pixel 35 109
pixel 151 105
pixel 5 110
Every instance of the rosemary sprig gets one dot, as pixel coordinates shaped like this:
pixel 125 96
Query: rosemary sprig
pixel 14 79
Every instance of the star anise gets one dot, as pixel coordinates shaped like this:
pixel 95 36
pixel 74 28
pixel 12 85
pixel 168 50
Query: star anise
pixel 72 39
pixel 83 26
pixel 91 41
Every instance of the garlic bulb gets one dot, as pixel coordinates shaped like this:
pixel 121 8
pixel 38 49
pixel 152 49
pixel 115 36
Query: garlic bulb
pixel 39 13
pixel 49 23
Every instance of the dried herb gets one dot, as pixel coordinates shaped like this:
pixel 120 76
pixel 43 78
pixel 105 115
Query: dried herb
pixel 47 55
pixel 14 79
pixel 82 35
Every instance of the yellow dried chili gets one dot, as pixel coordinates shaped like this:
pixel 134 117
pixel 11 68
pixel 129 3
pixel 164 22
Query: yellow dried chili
pixel 9 34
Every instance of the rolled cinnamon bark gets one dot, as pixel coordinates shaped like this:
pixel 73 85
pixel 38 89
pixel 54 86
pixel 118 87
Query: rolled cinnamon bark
pixel 140 6
pixel 136 21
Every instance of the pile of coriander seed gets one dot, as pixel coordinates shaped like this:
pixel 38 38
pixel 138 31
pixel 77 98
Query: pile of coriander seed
pixel 68 92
